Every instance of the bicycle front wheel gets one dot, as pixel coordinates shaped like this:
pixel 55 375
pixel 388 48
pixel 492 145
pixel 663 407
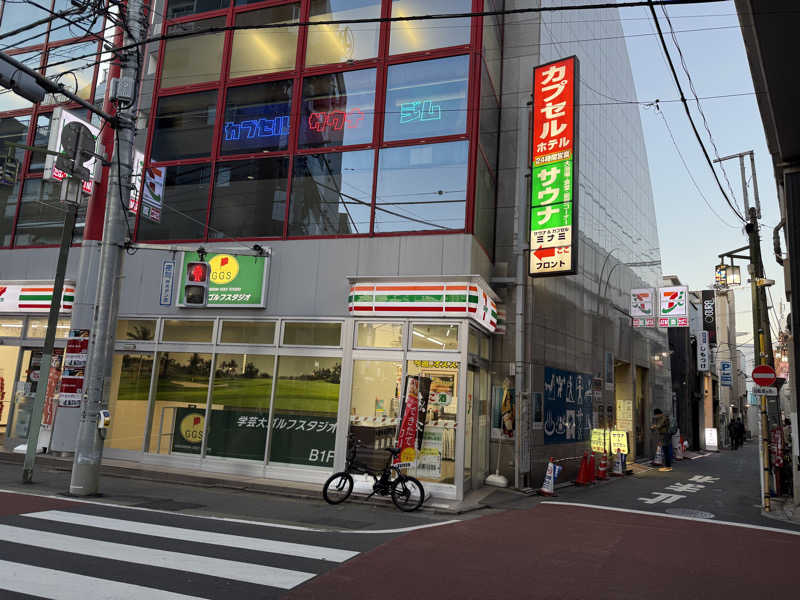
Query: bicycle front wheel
pixel 407 493
pixel 338 488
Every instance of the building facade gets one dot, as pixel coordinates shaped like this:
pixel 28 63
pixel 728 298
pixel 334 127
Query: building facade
pixel 379 167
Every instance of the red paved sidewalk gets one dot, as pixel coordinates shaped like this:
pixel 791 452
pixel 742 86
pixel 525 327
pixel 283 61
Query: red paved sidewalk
pixel 554 551
pixel 17 504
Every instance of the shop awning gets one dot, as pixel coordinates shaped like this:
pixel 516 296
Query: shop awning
pixel 463 297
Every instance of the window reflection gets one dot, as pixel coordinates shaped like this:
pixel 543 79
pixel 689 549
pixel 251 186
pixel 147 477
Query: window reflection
pixel 10 100
pixel 339 43
pixel 257 118
pixel 489 120
pixel 182 8
pixel 331 193
pixel 184 126
pixel 422 187
pixel 8 206
pixel 185 203
pixel 426 99
pixel 415 36
pixel 76 74
pixel 18 14
pixel 40 138
pixel 249 198
pixel 258 51
pixel 41 214
pixel 485 190
pixel 14 130
pixel 61 29
pixel 194 58
pixel 338 109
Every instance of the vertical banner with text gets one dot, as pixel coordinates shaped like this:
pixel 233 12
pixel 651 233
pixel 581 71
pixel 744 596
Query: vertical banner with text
pixel 554 142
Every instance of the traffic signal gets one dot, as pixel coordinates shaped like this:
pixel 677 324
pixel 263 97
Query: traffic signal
pixel 195 290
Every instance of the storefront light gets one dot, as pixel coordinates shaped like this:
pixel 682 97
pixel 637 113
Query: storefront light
pixel 430 339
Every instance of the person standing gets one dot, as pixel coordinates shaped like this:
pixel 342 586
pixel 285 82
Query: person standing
pixel 732 434
pixel 662 429
pixel 739 433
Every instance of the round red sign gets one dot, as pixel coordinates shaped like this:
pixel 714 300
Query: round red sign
pixel 764 375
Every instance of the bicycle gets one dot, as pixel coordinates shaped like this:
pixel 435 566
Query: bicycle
pixel 407 492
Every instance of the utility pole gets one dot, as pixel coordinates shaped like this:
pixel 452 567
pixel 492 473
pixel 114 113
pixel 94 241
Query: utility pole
pixel 89 443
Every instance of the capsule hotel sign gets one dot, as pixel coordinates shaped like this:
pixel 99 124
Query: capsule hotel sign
pixel 554 168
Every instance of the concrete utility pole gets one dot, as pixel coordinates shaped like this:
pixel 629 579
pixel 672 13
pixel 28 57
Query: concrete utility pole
pixel 89 443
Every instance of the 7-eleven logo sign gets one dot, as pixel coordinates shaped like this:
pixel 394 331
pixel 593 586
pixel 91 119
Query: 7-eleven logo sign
pixel 673 301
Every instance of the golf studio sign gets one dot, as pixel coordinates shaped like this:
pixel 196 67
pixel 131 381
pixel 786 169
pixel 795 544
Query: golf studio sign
pixel 554 169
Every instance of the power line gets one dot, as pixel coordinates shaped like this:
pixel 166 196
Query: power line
pixel 697 100
pixel 688 171
pixel 651 4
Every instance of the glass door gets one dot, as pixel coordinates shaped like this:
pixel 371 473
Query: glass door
pixel 130 387
pixel 480 426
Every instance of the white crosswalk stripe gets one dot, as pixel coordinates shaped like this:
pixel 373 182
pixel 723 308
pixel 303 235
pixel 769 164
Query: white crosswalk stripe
pixel 60 585
pixel 195 536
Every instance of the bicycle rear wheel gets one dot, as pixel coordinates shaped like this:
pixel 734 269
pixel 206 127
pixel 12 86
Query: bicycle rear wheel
pixel 338 488
pixel 407 493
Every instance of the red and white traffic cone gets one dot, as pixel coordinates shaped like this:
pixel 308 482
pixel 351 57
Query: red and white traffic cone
pixel 602 470
pixel 618 471
pixel 584 478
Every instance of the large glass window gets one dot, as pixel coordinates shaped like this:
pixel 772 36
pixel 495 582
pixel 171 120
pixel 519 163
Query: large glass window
pixel 8 206
pixel 427 99
pixel 249 198
pixel 306 410
pixel 178 417
pixel 415 36
pixel 184 126
pixel 267 50
pixel 18 14
pixel 130 387
pixel 194 58
pixel 187 331
pixel 240 406
pixel 489 121
pixel 40 138
pixel 331 193
pixel 257 118
pixel 37 328
pixel 312 334
pixel 10 327
pixel 14 130
pixel 183 8
pixel 60 29
pixel 41 214
pixel 136 329
pixel 65 66
pixel 434 337
pixel 340 43
pixel 422 187
pixel 247 332
pixel 338 109
pixel 185 204
pixel 379 335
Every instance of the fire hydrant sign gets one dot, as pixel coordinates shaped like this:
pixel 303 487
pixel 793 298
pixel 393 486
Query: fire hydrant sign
pixel 554 168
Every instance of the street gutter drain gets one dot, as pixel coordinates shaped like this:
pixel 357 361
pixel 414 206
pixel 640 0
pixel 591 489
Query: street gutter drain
pixel 689 512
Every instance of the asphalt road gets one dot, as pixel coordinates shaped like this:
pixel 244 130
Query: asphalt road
pixel 696 531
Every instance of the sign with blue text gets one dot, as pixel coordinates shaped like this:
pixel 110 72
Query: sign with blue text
pixel 568 406
pixel 167 280
pixel 725 373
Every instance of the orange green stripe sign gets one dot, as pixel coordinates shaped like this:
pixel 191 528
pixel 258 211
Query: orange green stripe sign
pixel 464 299
pixel 33 297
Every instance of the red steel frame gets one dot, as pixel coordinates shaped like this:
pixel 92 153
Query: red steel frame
pixel 380 64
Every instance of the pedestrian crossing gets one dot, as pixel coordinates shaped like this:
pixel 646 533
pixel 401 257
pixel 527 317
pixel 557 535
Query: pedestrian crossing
pixel 101 551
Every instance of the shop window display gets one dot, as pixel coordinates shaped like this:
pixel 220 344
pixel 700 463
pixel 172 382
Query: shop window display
pixel 178 411
pixel 305 413
pixel 240 397
pixel 130 386
pixel 437 446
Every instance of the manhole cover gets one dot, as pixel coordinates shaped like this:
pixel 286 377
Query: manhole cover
pixel 167 505
pixel 689 512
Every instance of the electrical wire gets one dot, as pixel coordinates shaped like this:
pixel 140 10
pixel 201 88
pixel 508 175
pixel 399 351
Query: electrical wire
pixel 652 4
pixel 660 113
pixel 697 101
